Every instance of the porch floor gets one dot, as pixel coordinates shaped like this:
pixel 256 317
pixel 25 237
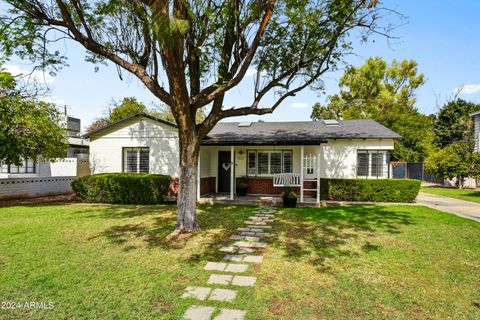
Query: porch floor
pixel 257 200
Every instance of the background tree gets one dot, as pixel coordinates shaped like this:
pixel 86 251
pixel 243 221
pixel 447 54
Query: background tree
pixel 456 161
pixel 96 124
pixel 129 106
pixel 453 122
pixel 384 93
pixel 28 128
pixel 190 53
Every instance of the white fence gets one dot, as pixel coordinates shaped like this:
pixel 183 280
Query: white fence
pixel 32 187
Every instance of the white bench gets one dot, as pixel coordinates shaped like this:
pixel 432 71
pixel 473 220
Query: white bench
pixel 286 179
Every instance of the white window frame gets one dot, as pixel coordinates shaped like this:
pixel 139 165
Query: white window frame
pixel 138 150
pixel 28 165
pixel 369 173
pixel 269 152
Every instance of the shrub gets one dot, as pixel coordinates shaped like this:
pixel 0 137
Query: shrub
pixel 123 188
pixel 377 190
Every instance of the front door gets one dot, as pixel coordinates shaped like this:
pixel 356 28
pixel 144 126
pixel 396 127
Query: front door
pixel 224 167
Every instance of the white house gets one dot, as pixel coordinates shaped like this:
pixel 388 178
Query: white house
pixel 268 154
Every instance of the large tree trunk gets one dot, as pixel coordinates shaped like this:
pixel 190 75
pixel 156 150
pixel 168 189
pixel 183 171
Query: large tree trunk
pixel 187 184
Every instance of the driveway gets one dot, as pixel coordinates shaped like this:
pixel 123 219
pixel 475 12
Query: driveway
pixel 462 208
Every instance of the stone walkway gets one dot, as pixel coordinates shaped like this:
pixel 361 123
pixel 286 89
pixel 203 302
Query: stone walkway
pixel 237 260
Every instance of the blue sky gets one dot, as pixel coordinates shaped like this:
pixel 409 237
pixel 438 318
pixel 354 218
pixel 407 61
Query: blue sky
pixel 442 36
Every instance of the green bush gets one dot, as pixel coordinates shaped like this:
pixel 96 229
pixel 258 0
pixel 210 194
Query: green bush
pixel 377 190
pixel 124 188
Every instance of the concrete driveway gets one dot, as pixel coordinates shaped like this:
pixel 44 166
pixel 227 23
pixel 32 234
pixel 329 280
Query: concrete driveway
pixel 462 208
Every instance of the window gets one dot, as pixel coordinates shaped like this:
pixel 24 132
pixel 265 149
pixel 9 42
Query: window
pixel 371 163
pixel 136 160
pixel 27 166
pixel 265 163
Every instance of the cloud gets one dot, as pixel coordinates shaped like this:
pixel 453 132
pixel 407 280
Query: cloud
pixel 54 100
pixel 467 89
pixel 35 76
pixel 300 105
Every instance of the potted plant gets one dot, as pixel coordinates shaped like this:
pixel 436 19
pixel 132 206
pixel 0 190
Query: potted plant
pixel 289 198
pixel 242 186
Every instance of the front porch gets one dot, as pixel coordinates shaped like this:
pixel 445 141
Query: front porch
pixel 255 200
pixel 265 169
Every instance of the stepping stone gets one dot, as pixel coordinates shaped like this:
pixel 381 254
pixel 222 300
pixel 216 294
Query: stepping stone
pixel 200 293
pixel 245 244
pixel 255 223
pixel 236 267
pixel 223 295
pixel 230 314
pixel 253 259
pixel 245 250
pixel 256 230
pixel 247 233
pixel 244 281
pixel 215 266
pixel 262 234
pixel 243 229
pixel 228 249
pixel 262 227
pixel 220 279
pixel 200 313
pixel 248 238
pixel 233 257
pixel 236 237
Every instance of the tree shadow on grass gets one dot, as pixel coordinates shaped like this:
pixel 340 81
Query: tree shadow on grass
pixel 217 224
pixel 324 234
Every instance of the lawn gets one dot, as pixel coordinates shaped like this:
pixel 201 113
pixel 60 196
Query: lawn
pixel 462 194
pixel 367 262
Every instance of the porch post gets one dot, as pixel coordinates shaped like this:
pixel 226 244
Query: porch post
pixel 232 170
pixel 301 173
pixel 198 177
pixel 318 173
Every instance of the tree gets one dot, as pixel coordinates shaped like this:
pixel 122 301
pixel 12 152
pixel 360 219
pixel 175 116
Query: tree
pixel 28 128
pixel 129 106
pixel 190 53
pixel 96 124
pixel 456 161
pixel 384 93
pixel 453 122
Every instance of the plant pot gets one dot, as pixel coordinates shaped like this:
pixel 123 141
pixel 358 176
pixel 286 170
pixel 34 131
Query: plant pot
pixel 241 191
pixel 289 202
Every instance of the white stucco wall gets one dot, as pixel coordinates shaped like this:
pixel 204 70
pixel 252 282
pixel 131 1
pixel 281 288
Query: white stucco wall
pixel 106 149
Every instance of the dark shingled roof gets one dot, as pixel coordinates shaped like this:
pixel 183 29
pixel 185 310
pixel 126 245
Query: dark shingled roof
pixel 298 132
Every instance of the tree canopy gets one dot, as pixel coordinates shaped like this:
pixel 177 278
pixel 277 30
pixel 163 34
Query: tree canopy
pixel 384 93
pixel 129 106
pixel 28 128
pixel 453 122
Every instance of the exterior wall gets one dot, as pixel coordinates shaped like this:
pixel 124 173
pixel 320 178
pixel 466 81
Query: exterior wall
pixel 339 157
pixel 106 151
pixel 31 187
pixel 265 186
pixel 477 132
pixel 207 185
pixel 67 167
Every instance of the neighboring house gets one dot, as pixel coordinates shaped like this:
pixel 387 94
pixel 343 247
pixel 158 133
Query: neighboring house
pixel 476 126
pixel 269 154
pixel 77 152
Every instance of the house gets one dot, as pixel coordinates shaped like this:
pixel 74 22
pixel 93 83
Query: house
pixel 268 154
pixel 476 130
pixel 74 164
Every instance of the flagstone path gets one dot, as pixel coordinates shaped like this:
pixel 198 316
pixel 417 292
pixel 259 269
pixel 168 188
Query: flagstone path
pixel 239 255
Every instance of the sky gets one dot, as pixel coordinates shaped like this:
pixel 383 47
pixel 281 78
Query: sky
pixel 441 35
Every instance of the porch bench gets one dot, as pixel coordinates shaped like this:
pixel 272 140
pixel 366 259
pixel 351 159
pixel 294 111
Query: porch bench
pixel 286 179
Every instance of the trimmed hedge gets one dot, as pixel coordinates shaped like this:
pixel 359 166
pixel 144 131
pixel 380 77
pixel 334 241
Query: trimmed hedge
pixel 377 190
pixel 123 188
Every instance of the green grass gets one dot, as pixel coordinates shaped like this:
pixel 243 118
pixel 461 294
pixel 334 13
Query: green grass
pixel 368 262
pixel 462 194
